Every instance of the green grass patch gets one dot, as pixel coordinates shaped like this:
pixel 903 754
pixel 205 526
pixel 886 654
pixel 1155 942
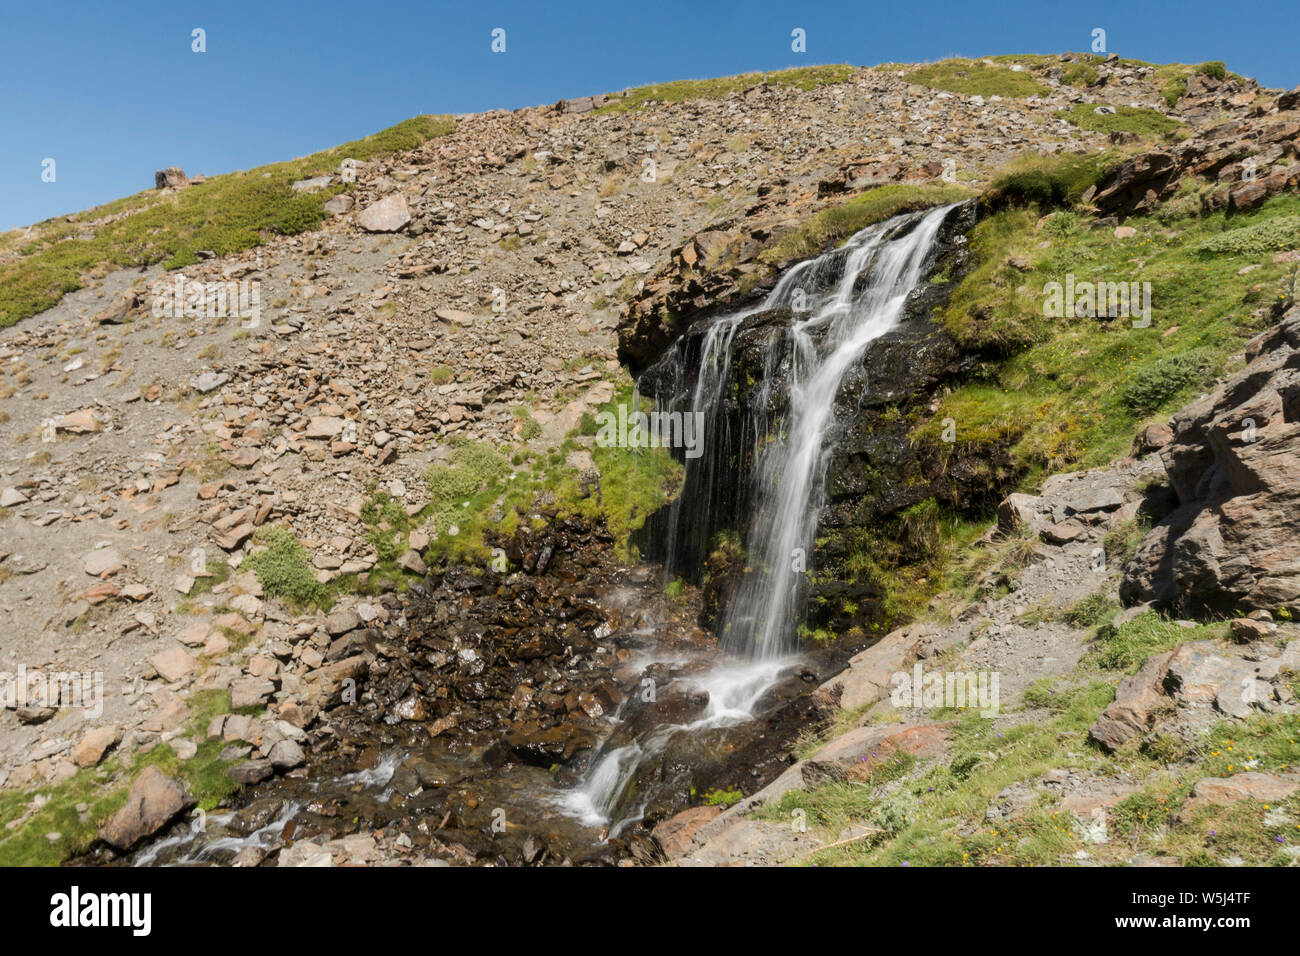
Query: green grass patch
pixel 832 226
pixel 225 215
pixel 1047 181
pixel 1126 647
pixel 284 568
pixel 976 78
pixel 681 91
pixel 1071 392
pixel 1147 123
pixel 102 790
pixel 1279 234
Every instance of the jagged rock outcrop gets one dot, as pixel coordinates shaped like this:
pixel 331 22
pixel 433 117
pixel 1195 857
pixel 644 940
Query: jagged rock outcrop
pixel 1234 463
pixel 1249 157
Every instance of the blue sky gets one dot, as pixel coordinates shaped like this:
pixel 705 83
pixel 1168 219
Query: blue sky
pixel 113 91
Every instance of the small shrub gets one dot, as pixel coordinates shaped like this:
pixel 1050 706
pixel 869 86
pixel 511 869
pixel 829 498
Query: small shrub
pixel 284 568
pixel 1165 379
pixel 1214 68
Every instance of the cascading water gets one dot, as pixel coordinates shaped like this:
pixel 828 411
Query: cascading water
pixel 842 317
pixel 838 303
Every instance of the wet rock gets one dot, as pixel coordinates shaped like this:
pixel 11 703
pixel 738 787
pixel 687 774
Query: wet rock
pixel 285 755
pixel 251 771
pixel 547 746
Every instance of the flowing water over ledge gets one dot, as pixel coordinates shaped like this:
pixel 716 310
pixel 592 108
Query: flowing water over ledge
pixel 687 711
pixel 838 303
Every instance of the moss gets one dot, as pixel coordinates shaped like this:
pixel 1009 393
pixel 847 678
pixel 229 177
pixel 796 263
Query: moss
pixel 723 798
pixel 1047 182
pixel 102 790
pixel 834 225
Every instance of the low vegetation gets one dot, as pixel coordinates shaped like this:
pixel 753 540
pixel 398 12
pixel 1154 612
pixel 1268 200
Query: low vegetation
pixel 832 226
pixel 1147 123
pixel 224 215
pixel 680 91
pixel 977 78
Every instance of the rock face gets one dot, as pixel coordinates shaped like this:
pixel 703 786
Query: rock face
pixel 154 800
pixel 875 473
pixel 1234 463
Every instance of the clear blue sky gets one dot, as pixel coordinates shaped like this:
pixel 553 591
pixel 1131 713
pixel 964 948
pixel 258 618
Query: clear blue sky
pixel 112 91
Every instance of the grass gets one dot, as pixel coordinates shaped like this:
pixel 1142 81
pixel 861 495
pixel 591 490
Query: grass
pixel 1066 393
pixel 832 226
pixel 102 790
pixel 976 78
pixel 1046 181
pixel 1147 123
pixel 225 215
pixel 936 815
pixel 681 91
pixel 483 496
pixel 1126 647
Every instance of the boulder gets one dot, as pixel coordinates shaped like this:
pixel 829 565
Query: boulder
pixel 155 799
pixel 173 177
pixel 674 834
pixel 388 215
pixel 1136 698
pixel 1262 787
pixel 95 744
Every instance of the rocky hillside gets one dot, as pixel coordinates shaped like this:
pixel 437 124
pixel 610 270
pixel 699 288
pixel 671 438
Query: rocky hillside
pixel 285 534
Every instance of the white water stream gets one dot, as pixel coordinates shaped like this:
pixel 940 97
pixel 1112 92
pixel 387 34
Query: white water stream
pixel 842 301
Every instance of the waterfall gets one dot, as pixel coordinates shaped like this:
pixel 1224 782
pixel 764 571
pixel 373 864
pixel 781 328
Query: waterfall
pixel 839 302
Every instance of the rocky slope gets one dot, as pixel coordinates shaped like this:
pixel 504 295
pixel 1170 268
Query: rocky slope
pixel 489 285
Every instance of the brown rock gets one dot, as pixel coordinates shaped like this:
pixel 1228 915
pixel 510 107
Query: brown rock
pixel 155 799
pixel 674 834
pixel 1262 787
pixel 1131 712
pixel 388 215
pixel 174 664
pixel 95 744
